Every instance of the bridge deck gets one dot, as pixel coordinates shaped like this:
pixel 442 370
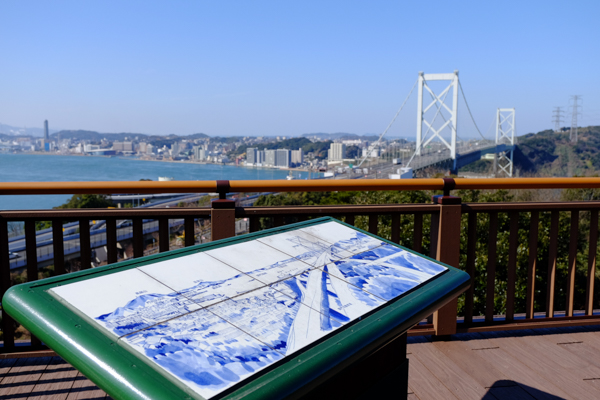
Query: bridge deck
pixel 543 364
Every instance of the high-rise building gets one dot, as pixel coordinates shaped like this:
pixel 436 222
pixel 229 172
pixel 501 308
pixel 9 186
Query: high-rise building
pixel 270 157
pixel 337 152
pixel 297 157
pixel 283 158
pixel 200 153
pixel 251 156
pixel 46 134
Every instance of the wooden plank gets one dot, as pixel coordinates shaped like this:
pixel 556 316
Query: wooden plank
pixel 350 219
pixel 591 275
pixel 511 367
pixel 111 240
pixel 424 384
pixel 477 367
pixel 549 363
pixel 412 396
pixel 22 377
pixel 418 233
pixel 163 234
pixel 552 259
pixel 450 374
pixel 512 265
pixel 85 250
pixel 190 231
pixel 55 382
pixel 396 228
pixel 534 224
pixel 7 322
pixel 491 267
pixel 574 234
pixel 373 223
pixel 5 366
pixel 58 247
pixel 470 267
pixel 138 237
pixel 84 389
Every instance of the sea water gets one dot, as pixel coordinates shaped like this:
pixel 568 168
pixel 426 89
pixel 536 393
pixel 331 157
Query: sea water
pixel 53 168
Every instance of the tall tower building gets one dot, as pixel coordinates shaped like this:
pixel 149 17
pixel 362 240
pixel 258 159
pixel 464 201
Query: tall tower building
pixel 46 136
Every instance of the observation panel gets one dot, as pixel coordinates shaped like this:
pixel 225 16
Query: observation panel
pixel 212 318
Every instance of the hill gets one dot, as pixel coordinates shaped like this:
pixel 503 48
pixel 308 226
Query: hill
pixel 547 153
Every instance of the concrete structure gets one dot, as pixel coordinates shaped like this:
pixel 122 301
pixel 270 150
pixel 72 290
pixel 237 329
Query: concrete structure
pixel 439 131
pixel 270 157
pixel 297 157
pixel 283 158
pixel 251 155
pixel 46 133
pixel 123 146
pixel 200 154
pixel 337 152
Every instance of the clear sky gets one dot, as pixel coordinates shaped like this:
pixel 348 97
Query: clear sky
pixel 287 68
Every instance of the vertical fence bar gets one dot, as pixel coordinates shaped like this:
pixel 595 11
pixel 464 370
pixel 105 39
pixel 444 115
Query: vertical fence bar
pixel 8 327
pixel 58 247
pixel 278 221
pixel 190 231
pixel 111 240
pixel 572 262
pixel 418 233
pixel 591 275
pixel 84 244
pixel 373 222
pixel 163 234
pixel 350 219
pixel 448 251
pixel 32 264
pixel 254 224
pixel 534 225
pixel 491 267
pixel 513 244
pixel 396 228
pixel 470 267
pixel 222 219
pixel 552 264
pixel 138 237
pixel 434 234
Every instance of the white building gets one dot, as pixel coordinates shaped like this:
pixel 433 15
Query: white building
pixel 297 157
pixel 337 152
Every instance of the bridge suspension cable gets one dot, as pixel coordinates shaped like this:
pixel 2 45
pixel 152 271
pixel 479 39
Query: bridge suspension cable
pixel 372 146
pixel 468 109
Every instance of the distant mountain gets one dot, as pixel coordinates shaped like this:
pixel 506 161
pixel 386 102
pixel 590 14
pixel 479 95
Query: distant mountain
pixel 342 136
pixel 96 136
pixel 24 131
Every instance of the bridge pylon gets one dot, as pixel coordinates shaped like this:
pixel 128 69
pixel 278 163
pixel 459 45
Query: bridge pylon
pixel 505 134
pixel 438 131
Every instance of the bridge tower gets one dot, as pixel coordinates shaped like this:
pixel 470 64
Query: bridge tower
pixel 439 102
pixel 505 134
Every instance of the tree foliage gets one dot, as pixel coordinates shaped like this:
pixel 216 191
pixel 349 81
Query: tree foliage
pixel 87 201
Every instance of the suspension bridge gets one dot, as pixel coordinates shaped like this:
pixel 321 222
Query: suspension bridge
pixel 437 122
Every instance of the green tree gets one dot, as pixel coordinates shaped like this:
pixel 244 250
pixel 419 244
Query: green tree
pixel 87 201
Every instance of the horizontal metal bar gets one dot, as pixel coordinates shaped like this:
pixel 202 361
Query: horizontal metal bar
pixel 336 210
pixel 100 213
pixel 533 206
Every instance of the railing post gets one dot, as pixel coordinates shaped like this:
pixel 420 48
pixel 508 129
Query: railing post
pixel 448 252
pixel 222 216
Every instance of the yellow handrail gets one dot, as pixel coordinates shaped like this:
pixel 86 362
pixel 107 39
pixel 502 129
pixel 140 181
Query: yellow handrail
pixel 22 188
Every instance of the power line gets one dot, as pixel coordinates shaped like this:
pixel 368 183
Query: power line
pixel 467 104
pixel 574 113
pixel 557 118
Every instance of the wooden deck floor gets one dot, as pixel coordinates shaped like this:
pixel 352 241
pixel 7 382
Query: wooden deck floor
pixel 559 363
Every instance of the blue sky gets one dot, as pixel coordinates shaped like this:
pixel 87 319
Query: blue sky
pixel 287 68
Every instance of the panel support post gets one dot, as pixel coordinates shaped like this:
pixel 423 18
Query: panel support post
pixel 222 216
pixel 448 252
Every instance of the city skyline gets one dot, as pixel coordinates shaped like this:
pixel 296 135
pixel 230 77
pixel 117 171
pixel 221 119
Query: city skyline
pixel 271 69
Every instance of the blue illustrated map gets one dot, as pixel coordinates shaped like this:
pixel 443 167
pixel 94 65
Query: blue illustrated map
pixel 249 305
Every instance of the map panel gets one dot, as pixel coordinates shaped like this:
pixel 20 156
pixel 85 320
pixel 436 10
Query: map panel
pixel 212 319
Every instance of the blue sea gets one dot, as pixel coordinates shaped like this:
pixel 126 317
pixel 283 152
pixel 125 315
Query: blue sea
pixel 51 168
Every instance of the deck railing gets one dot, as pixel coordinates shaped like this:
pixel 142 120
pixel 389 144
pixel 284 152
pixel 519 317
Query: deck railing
pixel 446 229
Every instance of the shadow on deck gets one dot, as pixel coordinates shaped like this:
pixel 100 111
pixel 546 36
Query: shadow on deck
pixel 557 363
